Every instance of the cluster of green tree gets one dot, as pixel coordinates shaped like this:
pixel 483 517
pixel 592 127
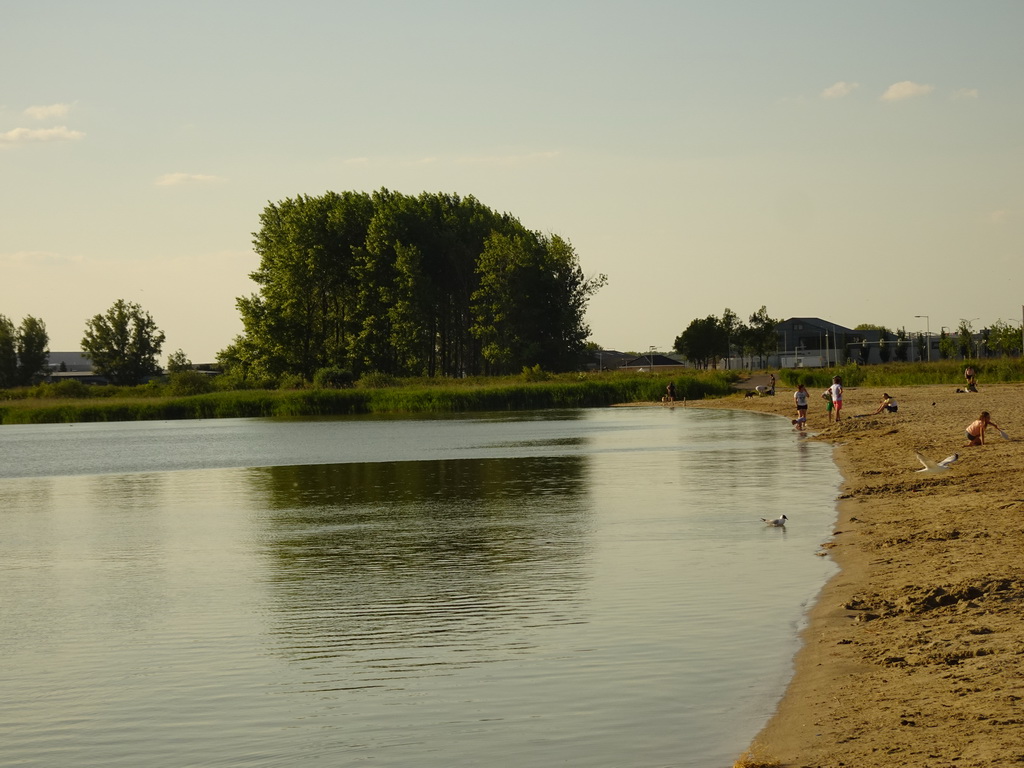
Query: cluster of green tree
pixel 24 351
pixel 706 340
pixel 433 285
pixel 123 343
pixel 892 345
pixel 999 339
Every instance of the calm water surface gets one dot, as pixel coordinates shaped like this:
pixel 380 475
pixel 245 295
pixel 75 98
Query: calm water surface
pixel 588 588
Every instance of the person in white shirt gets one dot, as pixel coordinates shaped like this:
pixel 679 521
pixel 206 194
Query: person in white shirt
pixel 837 395
pixel 800 396
pixel 888 404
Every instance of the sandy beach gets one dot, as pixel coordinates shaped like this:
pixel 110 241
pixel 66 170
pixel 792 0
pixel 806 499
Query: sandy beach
pixel 913 653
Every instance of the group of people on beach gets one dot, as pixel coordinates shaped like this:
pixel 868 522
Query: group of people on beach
pixel 833 397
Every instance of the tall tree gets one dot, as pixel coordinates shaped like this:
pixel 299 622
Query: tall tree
pixel 702 341
pixel 734 332
pixel 303 316
pixel 884 350
pixel 901 346
pixel 947 347
pixel 123 344
pixel 530 305
pixel 763 337
pixel 965 339
pixel 8 353
pixel 33 349
pixel 24 351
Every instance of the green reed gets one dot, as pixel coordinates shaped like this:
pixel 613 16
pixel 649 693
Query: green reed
pixel 420 396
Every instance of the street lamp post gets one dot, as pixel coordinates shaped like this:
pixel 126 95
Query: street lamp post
pixel 651 356
pixel 928 328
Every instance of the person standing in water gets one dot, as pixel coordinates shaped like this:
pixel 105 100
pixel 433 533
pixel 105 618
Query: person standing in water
pixel 800 396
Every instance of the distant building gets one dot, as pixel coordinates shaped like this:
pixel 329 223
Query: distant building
pixel 606 360
pixel 68 361
pixel 810 342
pixel 652 362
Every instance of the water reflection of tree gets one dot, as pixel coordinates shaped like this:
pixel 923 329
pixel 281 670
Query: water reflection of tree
pixel 445 554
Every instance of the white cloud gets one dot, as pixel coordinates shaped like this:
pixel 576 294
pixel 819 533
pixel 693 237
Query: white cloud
pixel 839 90
pixel 48 111
pixel 176 179
pixel 906 90
pixel 529 157
pixel 29 135
pixel 40 258
pixel 965 93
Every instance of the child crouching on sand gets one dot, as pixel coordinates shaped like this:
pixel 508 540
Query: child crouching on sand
pixel 976 429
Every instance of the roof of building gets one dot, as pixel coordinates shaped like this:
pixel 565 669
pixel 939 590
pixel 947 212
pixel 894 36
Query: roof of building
pixel 817 321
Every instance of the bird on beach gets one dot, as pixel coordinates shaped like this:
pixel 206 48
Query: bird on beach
pixel 933 467
pixel 778 522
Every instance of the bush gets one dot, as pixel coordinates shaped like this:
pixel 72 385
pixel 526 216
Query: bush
pixel 65 389
pixel 534 374
pixel 333 378
pixel 291 381
pixel 188 382
pixel 377 380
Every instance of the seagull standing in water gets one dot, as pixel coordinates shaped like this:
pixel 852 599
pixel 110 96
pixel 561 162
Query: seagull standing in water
pixel 778 522
pixel 932 467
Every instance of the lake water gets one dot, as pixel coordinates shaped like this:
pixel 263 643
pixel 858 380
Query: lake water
pixel 588 588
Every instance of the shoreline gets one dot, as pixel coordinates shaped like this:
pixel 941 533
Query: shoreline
pixel 911 653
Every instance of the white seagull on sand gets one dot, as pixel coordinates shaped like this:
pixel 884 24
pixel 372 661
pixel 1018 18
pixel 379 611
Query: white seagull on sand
pixel 778 522
pixel 933 467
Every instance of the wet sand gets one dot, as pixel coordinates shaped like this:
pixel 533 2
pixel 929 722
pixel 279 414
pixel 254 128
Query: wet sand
pixel 914 653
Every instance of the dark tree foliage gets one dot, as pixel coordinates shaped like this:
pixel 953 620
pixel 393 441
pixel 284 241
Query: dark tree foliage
pixel 762 339
pixel 703 341
pixel 24 351
pixel 434 285
pixel 123 344
pixel 8 353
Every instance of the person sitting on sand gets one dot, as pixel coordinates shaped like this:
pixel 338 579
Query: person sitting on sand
pixel 888 404
pixel 976 429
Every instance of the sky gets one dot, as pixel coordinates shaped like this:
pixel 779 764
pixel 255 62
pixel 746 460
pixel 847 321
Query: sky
pixel 858 162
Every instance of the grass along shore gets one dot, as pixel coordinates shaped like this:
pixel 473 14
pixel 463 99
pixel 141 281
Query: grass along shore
pixel 45 405
pixel 75 402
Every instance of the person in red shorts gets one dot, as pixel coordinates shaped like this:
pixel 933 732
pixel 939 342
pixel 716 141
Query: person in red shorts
pixel 837 395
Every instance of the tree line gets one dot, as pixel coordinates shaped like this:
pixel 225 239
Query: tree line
pixel 707 340
pixel 122 344
pixel 427 285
